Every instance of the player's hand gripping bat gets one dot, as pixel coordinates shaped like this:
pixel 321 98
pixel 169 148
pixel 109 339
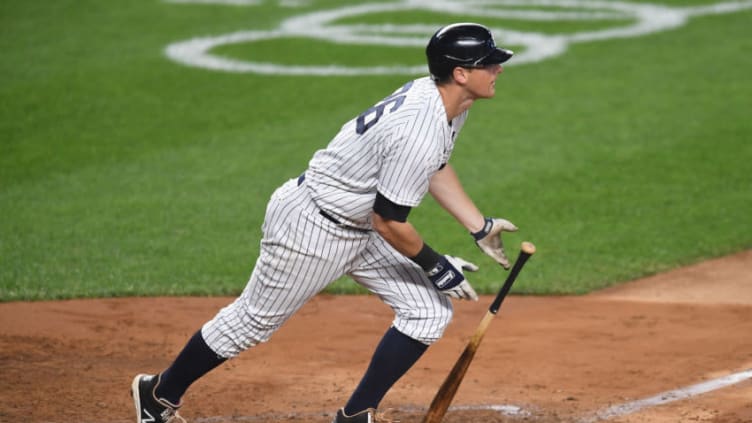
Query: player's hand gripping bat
pixel 446 392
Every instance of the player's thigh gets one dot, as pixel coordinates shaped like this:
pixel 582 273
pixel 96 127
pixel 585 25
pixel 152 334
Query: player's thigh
pixel 301 253
pixel 421 311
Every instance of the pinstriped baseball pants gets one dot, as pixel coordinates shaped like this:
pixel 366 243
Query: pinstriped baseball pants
pixel 301 253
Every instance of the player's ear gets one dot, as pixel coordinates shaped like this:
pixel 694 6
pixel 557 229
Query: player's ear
pixel 460 75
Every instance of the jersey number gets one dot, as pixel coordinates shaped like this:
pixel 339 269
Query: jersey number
pixel 374 113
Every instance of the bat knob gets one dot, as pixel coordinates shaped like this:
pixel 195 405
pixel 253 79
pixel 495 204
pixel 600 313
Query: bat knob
pixel 528 248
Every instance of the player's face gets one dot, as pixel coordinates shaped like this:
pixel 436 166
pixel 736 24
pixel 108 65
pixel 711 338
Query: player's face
pixel 481 82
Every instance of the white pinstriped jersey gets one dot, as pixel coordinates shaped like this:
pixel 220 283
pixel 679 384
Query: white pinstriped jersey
pixel 392 148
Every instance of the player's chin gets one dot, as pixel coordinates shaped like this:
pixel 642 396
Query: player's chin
pixel 487 93
pixel 492 89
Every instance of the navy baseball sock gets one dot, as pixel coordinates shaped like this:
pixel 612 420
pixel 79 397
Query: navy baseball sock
pixel 196 360
pixel 393 357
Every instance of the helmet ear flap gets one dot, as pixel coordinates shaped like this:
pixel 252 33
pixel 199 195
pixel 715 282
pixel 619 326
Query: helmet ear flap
pixel 440 71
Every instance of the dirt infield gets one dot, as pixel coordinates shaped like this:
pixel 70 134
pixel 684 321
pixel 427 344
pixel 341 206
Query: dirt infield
pixel 619 355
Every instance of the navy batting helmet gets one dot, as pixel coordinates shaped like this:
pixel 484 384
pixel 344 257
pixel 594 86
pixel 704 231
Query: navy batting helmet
pixel 462 44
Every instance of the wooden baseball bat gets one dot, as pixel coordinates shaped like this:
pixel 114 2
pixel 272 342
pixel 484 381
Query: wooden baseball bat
pixel 446 392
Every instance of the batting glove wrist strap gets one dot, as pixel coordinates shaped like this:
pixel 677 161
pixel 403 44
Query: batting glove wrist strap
pixel 448 278
pixel 487 226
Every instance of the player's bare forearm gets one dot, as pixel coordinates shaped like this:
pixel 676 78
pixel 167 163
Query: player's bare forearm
pixel 400 235
pixel 446 189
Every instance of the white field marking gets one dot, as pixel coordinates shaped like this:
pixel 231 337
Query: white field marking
pixel 643 18
pixel 718 8
pixel 669 396
pixel 294 3
pixel 506 410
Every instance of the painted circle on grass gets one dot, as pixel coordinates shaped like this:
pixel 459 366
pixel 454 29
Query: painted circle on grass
pixel 642 18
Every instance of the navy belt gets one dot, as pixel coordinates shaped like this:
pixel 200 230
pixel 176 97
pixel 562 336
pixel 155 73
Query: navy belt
pixel 328 216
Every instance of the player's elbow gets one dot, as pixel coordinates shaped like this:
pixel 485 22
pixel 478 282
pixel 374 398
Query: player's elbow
pixel 381 225
pixel 389 229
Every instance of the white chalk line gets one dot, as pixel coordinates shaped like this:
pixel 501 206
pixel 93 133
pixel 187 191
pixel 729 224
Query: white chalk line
pixel 669 396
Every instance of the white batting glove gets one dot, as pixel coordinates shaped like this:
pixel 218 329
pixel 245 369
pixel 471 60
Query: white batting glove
pixel 489 239
pixel 448 278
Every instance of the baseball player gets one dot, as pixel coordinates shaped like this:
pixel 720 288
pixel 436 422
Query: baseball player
pixel 347 214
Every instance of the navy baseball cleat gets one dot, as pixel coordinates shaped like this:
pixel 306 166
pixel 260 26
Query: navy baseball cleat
pixel 365 416
pixel 150 409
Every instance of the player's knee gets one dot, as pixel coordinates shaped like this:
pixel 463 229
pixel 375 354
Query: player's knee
pixel 225 342
pixel 233 331
pixel 427 328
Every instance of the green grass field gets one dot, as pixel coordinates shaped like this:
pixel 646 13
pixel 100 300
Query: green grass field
pixel 123 173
